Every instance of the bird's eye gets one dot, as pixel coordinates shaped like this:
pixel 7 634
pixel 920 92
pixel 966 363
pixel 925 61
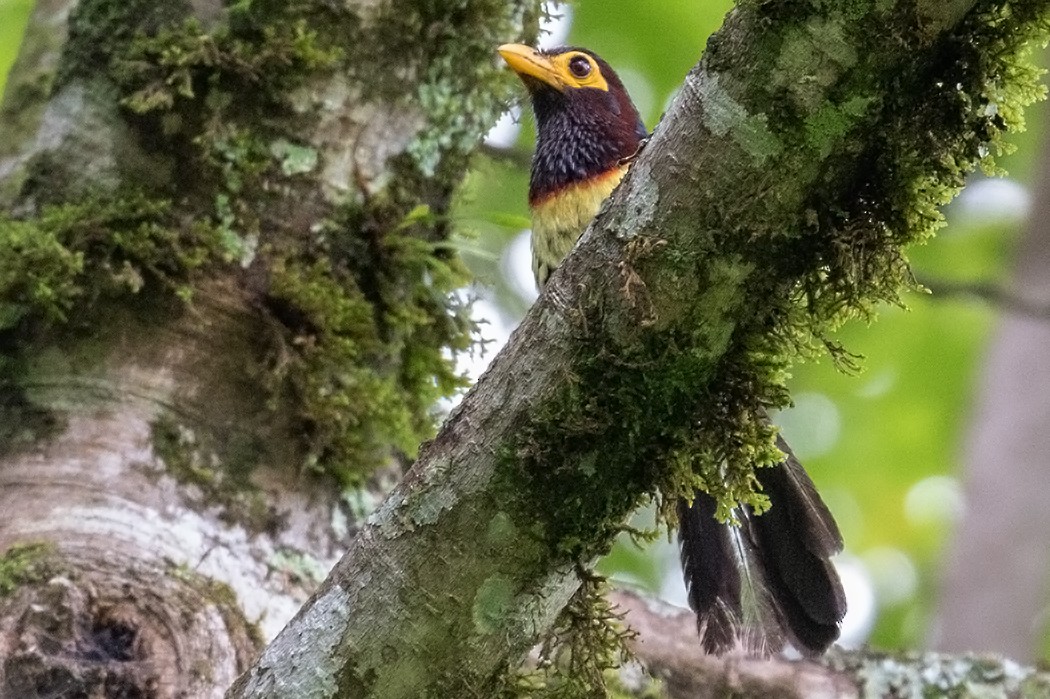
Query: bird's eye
pixel 580 66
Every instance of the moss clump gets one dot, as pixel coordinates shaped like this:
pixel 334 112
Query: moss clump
pixel 367 328
pixel 167 71
pixel 70 256
pixel 662 423
pixel 973 86
pixel 580 653
pixel 25 564
pixel 100 29
pixel 56 268
pixel 368 318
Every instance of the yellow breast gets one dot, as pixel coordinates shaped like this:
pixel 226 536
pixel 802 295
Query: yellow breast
pixel 559 219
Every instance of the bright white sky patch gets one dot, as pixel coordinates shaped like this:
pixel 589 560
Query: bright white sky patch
pixel 516 266
pixel 860 602
pixel 505 133
pixel 935 500
pixel 554 30
pixel 994 199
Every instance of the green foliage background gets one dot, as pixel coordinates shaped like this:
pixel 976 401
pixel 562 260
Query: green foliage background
pixel 867 440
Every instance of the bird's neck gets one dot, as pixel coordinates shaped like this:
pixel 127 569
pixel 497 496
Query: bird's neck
pixel 572 149
pixel 570 209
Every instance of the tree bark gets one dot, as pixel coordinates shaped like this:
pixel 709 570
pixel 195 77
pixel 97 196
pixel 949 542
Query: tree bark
pixel 170 498
pixel 667 652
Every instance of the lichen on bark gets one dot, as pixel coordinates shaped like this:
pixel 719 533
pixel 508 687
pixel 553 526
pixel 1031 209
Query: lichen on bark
pixel 362 290
pixel 26 564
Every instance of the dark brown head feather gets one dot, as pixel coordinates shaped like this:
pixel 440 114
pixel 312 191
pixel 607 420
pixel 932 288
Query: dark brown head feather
pixel 582 132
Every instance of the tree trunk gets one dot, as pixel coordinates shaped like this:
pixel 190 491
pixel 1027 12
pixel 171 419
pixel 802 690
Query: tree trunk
pixel 1006 457
pixel 214 211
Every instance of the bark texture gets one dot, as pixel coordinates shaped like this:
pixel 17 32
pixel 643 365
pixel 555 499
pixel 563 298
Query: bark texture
pixel 227 302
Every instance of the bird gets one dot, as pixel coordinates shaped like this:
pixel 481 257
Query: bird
pixel 766 581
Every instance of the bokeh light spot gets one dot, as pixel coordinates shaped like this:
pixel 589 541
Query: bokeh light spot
pixel 894 574
pixel 812 426
pixel 935 500
pixel 860 602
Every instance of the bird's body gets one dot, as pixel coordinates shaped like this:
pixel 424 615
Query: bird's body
pixel 559 217
pixel 754 585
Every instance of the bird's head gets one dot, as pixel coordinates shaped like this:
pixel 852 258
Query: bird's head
pixel 587 124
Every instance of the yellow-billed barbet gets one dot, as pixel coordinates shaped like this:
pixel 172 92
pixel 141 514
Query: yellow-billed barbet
pixel 769 580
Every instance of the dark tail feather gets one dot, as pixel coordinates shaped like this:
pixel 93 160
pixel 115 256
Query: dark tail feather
pixel 793 542
pixel 712 575
pixel 789 546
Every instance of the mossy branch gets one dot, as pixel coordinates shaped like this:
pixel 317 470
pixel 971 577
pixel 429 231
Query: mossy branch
pixel 684 672
pixel 813 142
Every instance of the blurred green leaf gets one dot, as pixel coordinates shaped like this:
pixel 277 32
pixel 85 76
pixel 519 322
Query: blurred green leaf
pixel 14 14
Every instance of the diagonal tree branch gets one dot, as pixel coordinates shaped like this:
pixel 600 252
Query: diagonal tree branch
pixel 666 650
pixel 805 149
pixel 995 295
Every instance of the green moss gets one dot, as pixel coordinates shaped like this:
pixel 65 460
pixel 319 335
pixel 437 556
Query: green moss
pixel 58 269
pixel 100 29
pixel 368 329
pixel 25 564
pixel 171 69
pixel 38 274
pixel 70 256
pixel 940 119
pixel 580 653
pixel 826 127
pixel 368 317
